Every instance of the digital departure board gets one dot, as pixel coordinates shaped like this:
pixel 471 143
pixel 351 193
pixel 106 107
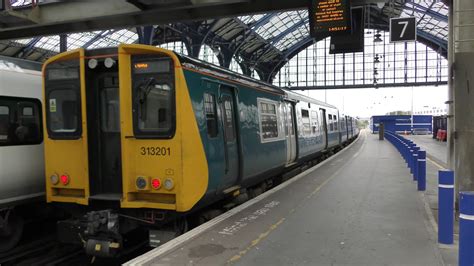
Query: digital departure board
pixel 329 17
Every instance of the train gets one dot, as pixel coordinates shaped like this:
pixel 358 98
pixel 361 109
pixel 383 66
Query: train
pixel 21 146
pixel 138 135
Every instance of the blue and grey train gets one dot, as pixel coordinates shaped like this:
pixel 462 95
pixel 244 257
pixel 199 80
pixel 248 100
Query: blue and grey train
pixel 138 132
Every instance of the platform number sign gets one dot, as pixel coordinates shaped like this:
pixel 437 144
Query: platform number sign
pixel 403 29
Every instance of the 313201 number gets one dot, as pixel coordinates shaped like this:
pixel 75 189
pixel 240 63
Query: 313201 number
pixel 155 151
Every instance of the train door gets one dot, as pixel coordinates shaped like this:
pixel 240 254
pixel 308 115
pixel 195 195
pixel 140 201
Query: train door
pixel 290 133
pixel 337 126
pixel 346 121
pixel 229 132
pixel 350 127
pixel 322 114
pixel 104 135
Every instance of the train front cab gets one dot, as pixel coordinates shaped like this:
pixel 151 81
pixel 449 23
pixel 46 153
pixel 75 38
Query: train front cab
pixel 114 131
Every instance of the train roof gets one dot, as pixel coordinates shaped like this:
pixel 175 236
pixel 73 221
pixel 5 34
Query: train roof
pixel 291 95
pixel 16 64
pixel 228 74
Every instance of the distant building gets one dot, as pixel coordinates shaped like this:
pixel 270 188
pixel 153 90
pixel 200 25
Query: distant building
pixel 401 123
pixel 434 111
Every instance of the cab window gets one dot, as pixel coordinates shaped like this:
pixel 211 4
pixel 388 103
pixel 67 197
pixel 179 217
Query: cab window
pixel 153 96
pixel 62 111
pixel 155 109
pixel 63 100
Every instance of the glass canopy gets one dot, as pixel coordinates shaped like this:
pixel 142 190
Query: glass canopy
pixel 267 37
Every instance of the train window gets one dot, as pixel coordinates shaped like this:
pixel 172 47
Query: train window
pixel 228 118
pixel 153 97
pixel 20 121
pixel 110 110
pixel 330 123
pixel 314 122
pixel 335 122
pixel 155 109
pixel 268 120
pixel 306 122
pixel 210 113
pixel 62 110
pixel 63 100
pixel 27 111
pixel 4 123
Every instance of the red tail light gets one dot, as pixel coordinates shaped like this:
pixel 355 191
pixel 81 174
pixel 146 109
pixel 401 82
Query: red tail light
pixel 156 183
pixel 64 179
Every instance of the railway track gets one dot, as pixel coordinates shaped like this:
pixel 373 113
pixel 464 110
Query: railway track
pixel 47 251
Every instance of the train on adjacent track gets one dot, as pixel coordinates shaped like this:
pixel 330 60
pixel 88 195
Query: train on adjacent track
pixel 138 135
pixel 21 146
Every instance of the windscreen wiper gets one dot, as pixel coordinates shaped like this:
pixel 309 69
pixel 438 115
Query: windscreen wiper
pixel 144 91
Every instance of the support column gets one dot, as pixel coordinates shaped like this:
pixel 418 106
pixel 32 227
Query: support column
pixel 62 43
pixel 463 26
pixel 450 102
pixel 146 35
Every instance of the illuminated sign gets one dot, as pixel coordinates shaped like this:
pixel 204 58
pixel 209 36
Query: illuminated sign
pixel 141 65
pixel 329 17
pixel 152 66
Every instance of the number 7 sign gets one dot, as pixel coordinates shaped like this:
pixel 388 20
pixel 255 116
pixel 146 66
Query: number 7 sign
pixel 403 29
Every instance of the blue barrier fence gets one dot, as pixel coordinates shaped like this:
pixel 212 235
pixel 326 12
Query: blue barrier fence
pixel 446 207
pixel 416 161
pixel 413 155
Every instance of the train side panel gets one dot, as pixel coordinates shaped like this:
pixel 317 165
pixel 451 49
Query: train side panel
pixel 255 157
pixel 333 128
pixel 20 183
pixel 311 129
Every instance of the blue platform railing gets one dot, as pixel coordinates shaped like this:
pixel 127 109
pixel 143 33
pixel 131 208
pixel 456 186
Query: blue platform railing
pixel 413 155
pixel 416 161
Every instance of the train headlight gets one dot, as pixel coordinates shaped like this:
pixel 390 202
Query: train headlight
pixel 92 63
pixel 54 179
pixel 109 62
pixel 155 183
pixel 64 179
pixel 141 182
pixel 169 184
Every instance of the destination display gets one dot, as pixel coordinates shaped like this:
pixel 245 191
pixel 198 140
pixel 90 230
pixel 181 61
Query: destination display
pixel 63 73
pixel 330 17
pixel 146 67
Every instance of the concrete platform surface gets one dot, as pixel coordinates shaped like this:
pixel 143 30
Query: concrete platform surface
pixel 359 207
pixel 436 150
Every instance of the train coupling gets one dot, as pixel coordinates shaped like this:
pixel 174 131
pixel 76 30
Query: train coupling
pixel 97 231
pixel 102 248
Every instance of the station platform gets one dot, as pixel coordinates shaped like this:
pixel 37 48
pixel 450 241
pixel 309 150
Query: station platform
pixel 435 150
pixel 358 207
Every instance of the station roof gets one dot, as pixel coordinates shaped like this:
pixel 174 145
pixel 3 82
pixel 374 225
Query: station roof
pixel 264 42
